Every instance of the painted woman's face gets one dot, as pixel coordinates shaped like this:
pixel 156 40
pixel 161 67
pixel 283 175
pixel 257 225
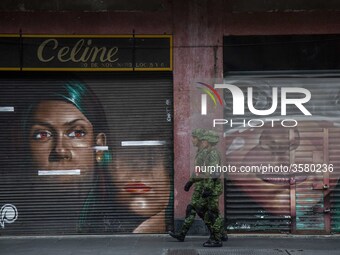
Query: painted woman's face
pixel 142 182
pixel 61 142
pixel 278 147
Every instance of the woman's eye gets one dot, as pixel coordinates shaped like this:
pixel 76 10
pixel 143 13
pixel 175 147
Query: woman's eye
pixel 42 135
pixel 77 134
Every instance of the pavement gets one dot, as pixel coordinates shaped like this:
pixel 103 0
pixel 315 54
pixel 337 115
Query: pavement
pixel 165 245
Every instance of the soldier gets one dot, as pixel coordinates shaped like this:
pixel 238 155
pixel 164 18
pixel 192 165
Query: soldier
pixel 212 191
pixel 204 201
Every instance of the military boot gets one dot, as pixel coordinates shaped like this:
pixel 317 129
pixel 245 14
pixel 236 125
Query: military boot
pixel 180 237
pixel 213 243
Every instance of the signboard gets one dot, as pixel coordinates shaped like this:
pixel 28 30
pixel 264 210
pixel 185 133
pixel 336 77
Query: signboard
pixel 87 53
pixel 10 52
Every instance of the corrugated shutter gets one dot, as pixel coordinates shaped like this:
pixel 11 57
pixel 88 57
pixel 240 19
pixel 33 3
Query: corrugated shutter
pixel 303 61
pixel 244 215
pixel 119 182
pixel 306 201
pixel 251 203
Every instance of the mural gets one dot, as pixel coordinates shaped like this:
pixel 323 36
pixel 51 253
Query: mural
pixel 288 158
pixel 281 137
pixel 141 189
pixel 64 170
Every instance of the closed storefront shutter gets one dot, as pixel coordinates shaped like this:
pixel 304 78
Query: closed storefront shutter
pixel 286 171
pixel 302 69
pixel 86 153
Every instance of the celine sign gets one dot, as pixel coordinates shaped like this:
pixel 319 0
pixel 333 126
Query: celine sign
pixel 86 53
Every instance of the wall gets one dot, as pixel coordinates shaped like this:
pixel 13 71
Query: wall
pixel 197 33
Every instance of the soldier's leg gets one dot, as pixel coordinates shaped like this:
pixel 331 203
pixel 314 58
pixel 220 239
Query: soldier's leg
pixel 224 236
pixel 189 220
pixel 217 227
pixel 215 224
pixel 213 206
pixel 212 220
pixel 190 215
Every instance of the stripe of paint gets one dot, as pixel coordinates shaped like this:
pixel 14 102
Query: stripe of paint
pixel 143 143
pixel 6 108
pixel 59 172
pixel 213 90
pixel 101 148
pixel 209 93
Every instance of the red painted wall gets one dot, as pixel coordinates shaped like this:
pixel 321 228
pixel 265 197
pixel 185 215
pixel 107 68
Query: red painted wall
pixel 198 28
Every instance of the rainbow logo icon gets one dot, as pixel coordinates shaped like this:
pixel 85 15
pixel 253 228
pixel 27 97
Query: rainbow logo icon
pixel 213 94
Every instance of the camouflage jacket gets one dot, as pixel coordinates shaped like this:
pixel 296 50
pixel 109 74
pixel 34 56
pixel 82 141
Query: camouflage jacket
pixel 205 180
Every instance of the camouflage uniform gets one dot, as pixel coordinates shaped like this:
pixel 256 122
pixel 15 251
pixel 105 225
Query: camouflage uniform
pixel 204 201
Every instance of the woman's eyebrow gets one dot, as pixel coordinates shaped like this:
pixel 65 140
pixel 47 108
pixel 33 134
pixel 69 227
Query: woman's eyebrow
pixel 42 123
pixel 72 122
pixel 69 123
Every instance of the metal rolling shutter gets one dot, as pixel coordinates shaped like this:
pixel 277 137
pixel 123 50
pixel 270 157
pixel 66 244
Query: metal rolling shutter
pixel 308 202
pixel 314 204
pixel 244 215
pixel 132 193
pixel 302 209
pixel 251 203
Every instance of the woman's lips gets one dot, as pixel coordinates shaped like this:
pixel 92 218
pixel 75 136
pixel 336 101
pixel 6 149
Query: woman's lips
pixel 138 188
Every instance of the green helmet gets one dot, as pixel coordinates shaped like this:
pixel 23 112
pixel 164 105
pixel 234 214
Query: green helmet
pixel 199 133
pixel 211 136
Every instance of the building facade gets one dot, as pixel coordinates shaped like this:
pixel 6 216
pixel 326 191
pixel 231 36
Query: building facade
pixel 148 105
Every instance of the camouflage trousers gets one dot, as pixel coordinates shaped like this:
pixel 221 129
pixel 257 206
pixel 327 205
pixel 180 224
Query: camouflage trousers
pixel 207 209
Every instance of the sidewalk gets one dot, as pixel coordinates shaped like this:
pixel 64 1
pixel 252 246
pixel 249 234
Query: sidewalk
pixel 165 245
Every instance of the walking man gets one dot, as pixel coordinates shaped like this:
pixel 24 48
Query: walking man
pixel 207 189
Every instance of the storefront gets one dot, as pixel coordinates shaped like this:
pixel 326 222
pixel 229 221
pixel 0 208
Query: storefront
pixel 286 141
pixel 150 87
pixel 86 134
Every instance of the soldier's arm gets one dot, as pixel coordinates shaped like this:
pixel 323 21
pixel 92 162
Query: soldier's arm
pixel 214 159
pixel 218 187
pixel 213 187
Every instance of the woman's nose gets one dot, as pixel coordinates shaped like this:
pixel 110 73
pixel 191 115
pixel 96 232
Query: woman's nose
pixel 61 150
